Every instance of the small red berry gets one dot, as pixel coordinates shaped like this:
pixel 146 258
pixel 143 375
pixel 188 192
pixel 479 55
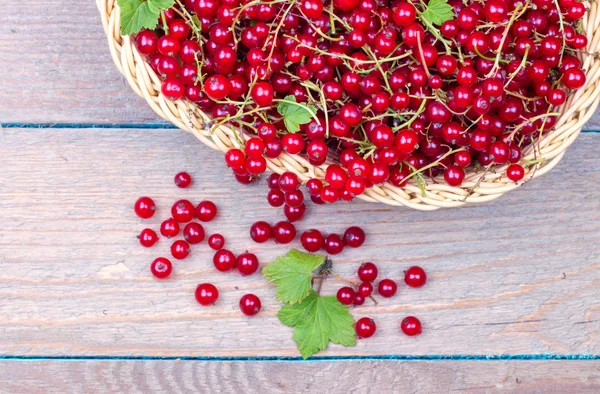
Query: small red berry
pixel 346 295
pixel 367 272
pixel 387 288
pixel 224 260
pixel 411 326
pixel 334 244
pixel 415 276
pixel 515 172
pixel 312 240
pixel 180 249
pixel 194 233
pixel 148 237
pixel 206 294
pixel 247 263
pixel 260 232
pixel 183 211
pixel 354 237
pixel 284 232
pixel 169 228
pixel 183 180
pixel 365 327
pixel 359 300
pixel 161 268
pixel 365 289
pixel 144 207
pixel 206 211
pixel 250 304
pixel 216 241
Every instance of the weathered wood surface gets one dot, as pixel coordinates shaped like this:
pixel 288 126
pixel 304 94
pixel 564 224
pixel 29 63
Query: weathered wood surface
pixel 56 68
pixel 523 377
pixel 517 275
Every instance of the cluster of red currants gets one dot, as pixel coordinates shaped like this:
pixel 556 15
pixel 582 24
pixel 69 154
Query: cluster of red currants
pixel 284 191
pixel 397 95
pixel 184 212
pixel 365 327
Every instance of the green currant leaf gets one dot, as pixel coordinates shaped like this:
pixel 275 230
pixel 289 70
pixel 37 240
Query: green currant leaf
pixel 295 114
pixel 318 321
pixel 158 6
pixel 292 275
pixel 140 14
pixel 437 12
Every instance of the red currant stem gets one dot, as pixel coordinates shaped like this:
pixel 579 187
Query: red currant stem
pixel 491 59
pixel 378 65
pixel 476 185
pixel 562 29
pixel 422 56
pixel 319 281
pixel 435 163
pixel 337 276
pixel 332 15
pixel 279 25
pixel 521 65
pixel 433 30
pixel 331 18
pixel 533 119
pixel 516 13
pixel 413 118
pixel 509 93
pixel 164 22
pixel 351 59
pixel 189 20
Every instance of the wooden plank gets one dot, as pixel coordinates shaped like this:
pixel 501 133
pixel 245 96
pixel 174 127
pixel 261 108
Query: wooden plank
pixel 56 67
pixel 518 275
pixel 294 377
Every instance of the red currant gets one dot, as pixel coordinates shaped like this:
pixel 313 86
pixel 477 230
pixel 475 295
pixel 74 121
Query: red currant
pixel 365 327
pixel 387 288
pixel 216 242
pixel 194 233
pixel 247 263
pixel 411 326
pixel 144 207
pixel 260 232
pixel 250 304
pixel 206 294
pixel 367 272
pixel 224 260
pixel 415 276
pixel 148 237
pixel 161 268
pixel 206 211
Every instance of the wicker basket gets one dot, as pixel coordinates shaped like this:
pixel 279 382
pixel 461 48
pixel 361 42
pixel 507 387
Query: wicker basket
pixel 477 186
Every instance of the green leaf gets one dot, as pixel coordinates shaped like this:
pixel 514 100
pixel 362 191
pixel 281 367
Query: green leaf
pixel 295 114
pixel 158 6
pixel 139 14
pixel 292 315
pixel 437 12
pixel 318 321
pixel 292 275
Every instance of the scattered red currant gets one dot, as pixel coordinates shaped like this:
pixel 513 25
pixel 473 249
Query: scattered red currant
pixel 365 327
pixel 250 304
pixel 411 326
pixel 415 276
pixel 387 288
pixel 206 294
pixel 183 180
pixel 148 237
pixel 247 263
pixel 161 268
pixel 144 207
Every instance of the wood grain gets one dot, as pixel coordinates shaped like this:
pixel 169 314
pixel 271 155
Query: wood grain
pixel 548 377
pixel 56 68
pixel 518 275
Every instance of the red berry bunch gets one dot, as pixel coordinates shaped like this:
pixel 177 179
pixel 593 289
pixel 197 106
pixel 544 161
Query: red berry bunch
pixel 388 94
pixel 357 293
pixel 183 213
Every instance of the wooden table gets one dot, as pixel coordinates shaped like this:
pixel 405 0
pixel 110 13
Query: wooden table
pixel 512 303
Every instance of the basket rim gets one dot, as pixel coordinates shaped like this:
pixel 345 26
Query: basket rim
pixel 477 186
